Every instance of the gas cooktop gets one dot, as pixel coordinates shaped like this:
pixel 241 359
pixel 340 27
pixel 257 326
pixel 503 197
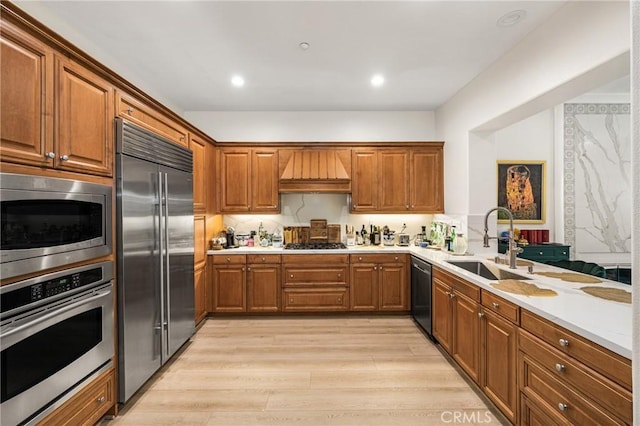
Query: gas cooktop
pixel 315 246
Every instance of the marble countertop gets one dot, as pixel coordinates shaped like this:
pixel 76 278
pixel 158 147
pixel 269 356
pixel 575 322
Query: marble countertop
pixel 604 322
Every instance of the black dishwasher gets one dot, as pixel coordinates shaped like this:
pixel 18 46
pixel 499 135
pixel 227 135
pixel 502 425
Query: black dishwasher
pixel 421 293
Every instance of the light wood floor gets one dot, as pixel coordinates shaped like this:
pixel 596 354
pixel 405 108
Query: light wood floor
pixel 307 371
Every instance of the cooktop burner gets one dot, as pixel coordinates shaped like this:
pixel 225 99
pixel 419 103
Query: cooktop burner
pixel 315 246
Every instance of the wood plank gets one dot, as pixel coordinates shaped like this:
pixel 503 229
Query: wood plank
pixel 310 370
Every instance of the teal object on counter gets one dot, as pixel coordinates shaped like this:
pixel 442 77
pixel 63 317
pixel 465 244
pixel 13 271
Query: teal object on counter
pixel 541 252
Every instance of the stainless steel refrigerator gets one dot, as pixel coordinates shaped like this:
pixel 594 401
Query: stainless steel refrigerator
pixel 155 248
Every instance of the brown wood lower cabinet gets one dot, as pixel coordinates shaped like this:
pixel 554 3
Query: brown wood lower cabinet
pixel 88 406
pixel 263 287
pixel 379 282
pixel 199 289
pixel 315 283
pixel 456 321
pixel 228 284
pixel 498 360
pixel 533 415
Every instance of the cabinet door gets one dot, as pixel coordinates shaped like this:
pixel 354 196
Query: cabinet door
pixel 498 360
pixel 364 185
pixel 393 180
pixel 199 292
pixel 466 335
pixel 264 181
pixel 363 287
pixel 235 193
pixel 263 288
pixel 143 115
pixel 442 314
pixel 199 241
pixel 394 287
pixel 427 180
pixel 83 130
pixel 198 147
pixel 229 289
pixel 26 78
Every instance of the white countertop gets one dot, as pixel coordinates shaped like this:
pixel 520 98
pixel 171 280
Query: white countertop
pixel 604 322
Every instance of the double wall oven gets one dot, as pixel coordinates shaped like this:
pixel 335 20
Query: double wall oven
pixel 56 328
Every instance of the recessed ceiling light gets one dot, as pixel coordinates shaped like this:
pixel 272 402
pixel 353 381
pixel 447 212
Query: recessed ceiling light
pixel 237 81
pixel 377 80
pixel 511 18
pixel 304 45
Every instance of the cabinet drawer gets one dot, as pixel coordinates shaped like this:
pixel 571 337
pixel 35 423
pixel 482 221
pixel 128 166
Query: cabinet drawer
pixel 87 407
pixel 537 384
pixel 378 258
pixel 138 113
pixel 611 365
pixel 263 258
pixel 501 306
pixel 232 259
pixel 329 299
pixel 603 391
pixel 304 275
pixel 470 290
pixel 315 259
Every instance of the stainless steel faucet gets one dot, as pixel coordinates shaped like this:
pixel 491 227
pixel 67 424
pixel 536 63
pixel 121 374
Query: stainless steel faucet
pixel 513 249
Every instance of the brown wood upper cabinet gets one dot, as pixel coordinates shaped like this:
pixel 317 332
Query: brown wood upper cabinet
pixel 54 113
pixel 248 180
pixel 138 113
pixel 26 102
pixel 198 147
pixel 396 180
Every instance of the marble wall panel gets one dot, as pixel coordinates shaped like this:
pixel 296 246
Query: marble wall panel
pixel 597 189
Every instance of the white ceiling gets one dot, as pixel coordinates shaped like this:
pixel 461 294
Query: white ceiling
pixel 184 52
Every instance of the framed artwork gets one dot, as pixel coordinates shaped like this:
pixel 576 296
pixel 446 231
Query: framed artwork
pixel 521 189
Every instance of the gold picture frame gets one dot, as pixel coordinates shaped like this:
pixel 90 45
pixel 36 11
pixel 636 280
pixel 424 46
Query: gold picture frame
pixel 522 190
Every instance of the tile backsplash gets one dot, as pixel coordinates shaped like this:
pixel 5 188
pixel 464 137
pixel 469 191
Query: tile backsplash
pixel 299 209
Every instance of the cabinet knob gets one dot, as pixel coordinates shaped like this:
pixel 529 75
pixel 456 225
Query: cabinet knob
pixel 64 157
pixel 541 253
pixel 263 259
pixel 413 206
pixel 249 206
pixel 562 406
pixel 243 268
pixel 381 268
pixel 228 259
pixel 51 155
pixel 181 138
pixel 564 253
pixel 360 258
pixel 564 342
pixel 249 269
pixel 560 368
pixel 495 305
pixel 129 110
pixel 101 399
pixel 339 299
pixel 339 275
pixel 375 268
pixel 451 295
pixel 480 315
pixel 291 276
pixel 355 206
pixel 291 300
pixel 407 206
pixel 396 258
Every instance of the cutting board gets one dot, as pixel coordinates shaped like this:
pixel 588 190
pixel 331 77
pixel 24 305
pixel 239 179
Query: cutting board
pixel 523 288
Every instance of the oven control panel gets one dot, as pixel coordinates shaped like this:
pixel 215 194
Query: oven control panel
pixel 49 289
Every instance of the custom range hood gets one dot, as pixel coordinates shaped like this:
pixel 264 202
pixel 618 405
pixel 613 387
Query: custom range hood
pixel 315 170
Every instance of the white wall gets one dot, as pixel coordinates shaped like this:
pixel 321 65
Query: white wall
pixel 555 62
pixel 635 186
pixel 319 126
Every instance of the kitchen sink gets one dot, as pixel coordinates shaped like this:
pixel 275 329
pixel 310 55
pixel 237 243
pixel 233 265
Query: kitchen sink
pixel 489 272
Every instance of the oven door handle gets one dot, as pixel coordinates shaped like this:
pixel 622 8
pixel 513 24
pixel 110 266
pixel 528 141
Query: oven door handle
pixel 44 316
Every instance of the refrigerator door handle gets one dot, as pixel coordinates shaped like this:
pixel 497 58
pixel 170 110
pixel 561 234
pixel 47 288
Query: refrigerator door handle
pixel 167 263
pixel 161 218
